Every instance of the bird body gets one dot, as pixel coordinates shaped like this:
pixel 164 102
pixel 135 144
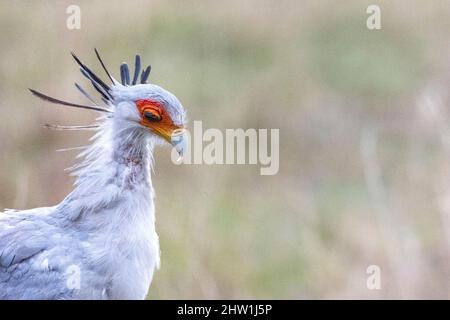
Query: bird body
pixel 100 242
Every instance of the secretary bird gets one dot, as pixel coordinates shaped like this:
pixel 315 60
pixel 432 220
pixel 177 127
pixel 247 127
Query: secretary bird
pixel 100 241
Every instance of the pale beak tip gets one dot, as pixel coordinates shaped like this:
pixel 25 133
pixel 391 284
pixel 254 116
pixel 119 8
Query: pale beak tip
pixel 178 141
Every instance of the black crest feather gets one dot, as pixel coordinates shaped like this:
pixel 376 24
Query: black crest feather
pixel 65 103
pixel 137 69
pixel 124 74
pixel 145 74
pixel 103 65
pixel 99 85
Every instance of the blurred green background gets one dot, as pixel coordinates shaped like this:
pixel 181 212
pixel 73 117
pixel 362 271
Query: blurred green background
pixel 364 127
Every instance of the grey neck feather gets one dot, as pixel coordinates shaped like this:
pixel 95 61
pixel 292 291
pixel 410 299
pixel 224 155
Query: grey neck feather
pixel 131 155
pixel 119 161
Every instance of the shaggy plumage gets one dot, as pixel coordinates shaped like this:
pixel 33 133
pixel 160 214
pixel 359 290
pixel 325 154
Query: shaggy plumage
pixel 100 241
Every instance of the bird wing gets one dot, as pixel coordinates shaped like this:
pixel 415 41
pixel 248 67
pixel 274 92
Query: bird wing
pixel 18 238
pixel 25 237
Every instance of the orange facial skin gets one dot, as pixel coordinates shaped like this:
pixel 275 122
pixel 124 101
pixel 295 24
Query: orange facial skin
pixel 164 127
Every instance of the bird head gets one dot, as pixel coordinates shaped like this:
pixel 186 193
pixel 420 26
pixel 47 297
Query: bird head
pixel 152 108
pixel 135 103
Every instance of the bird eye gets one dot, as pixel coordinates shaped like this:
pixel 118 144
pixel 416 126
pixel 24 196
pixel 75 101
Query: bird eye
pixel 150 116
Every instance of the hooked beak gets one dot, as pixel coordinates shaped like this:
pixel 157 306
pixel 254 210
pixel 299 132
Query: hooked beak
pixel 178 140
pixel 175 135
